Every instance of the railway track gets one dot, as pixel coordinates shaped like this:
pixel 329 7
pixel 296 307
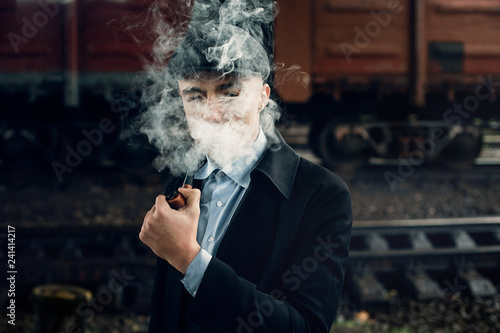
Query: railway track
pixel 90 257
pixel 424 259
pixel 393 173
pixel 417 259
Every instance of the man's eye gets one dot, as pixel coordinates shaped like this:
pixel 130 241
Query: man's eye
pixel 231 94
pixel 194 98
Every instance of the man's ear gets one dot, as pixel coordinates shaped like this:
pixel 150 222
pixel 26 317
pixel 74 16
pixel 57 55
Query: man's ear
pixel 264 96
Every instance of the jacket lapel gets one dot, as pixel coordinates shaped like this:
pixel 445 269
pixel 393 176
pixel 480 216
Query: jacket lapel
pixel 255 223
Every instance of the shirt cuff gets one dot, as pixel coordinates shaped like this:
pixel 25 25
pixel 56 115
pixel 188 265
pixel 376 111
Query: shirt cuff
pixel 195 271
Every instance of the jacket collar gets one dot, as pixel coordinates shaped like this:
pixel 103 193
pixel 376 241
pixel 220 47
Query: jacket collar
pixel 280 166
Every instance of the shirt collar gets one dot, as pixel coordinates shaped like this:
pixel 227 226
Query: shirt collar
pixel 240 169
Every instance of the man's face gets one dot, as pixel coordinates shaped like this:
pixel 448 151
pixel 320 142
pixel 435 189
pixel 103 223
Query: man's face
pixel 223 112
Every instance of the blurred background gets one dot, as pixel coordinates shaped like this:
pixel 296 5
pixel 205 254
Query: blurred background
pixel 397 97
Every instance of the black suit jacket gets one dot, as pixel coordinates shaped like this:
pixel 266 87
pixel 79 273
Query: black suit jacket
pixel 279 268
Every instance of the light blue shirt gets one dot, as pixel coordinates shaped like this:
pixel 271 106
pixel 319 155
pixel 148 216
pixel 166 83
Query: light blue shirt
pixel 221 193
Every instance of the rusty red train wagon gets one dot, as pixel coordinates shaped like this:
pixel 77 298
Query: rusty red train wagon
pixel 393 78
pixel 389 78
pixel 65 66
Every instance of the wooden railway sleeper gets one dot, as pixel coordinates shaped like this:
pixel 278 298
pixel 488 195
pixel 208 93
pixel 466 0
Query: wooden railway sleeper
pixel 477 284
pixel 419 240
pixel 366 287
pixel 376 242
pixel 422 286
pixel 463 240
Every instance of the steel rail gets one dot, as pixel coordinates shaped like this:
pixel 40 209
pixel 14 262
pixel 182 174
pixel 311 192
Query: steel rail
pixel 398 253
pixel 421 223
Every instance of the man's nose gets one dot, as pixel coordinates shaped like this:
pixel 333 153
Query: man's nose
pixel 214 111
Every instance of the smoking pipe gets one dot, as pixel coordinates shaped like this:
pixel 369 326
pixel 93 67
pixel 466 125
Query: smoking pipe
pixel 175 199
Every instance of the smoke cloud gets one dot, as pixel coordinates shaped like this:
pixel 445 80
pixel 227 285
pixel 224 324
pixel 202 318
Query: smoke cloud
pixel 229 40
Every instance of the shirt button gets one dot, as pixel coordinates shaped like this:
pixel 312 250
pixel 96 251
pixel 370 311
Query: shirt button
pixel 219 203
pixel 210 239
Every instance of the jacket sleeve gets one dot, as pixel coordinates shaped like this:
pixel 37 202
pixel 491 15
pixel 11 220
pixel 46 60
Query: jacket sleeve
pixel 308 295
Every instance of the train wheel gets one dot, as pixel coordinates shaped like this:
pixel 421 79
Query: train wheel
pixel 342 146
pixel 463 149
pixel 320 108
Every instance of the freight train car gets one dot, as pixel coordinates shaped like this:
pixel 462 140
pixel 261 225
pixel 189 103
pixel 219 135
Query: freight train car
pixel 70 80
pixel 414 80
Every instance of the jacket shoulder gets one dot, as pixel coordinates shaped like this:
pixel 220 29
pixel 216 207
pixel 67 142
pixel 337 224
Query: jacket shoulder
pixel 316 176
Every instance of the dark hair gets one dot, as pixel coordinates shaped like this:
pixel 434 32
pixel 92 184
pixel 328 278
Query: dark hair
pixel 220 48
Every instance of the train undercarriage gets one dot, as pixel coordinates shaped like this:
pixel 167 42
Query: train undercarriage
pixel 364 126
pixel 344 144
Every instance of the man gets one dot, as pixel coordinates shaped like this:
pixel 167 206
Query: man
pixel 262 243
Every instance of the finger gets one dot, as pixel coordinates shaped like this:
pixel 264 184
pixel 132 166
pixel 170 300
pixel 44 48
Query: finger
pixel 142 232
pixel 161 202
pixel 146 217
pixel 192 196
